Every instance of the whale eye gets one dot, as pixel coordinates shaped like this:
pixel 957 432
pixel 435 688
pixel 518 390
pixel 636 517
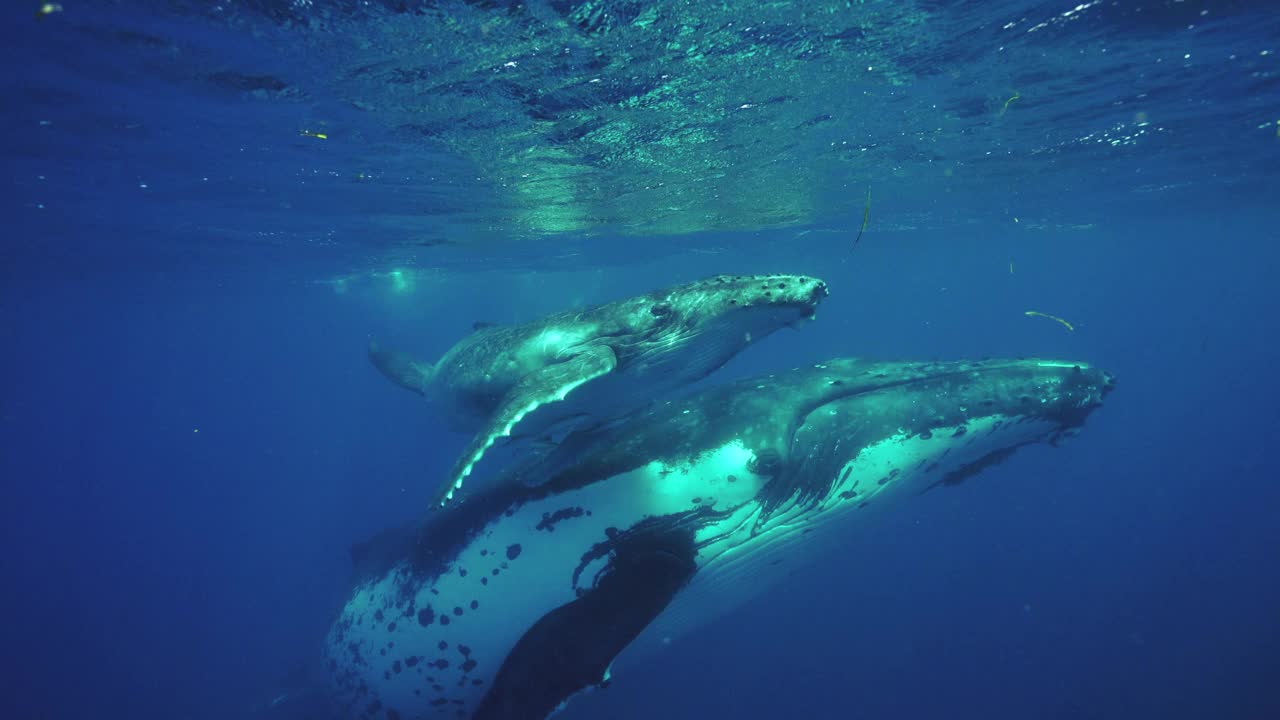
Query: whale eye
pixel 661 310
pixel 767 463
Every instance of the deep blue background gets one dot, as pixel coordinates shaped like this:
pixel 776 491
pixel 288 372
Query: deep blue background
pixel 191 437
pixel 156 571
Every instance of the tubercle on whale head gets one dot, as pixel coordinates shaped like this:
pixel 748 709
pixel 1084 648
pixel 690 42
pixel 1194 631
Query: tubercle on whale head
pixel 752 290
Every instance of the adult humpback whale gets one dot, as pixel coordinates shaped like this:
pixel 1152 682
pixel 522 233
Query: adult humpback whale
pixel 590 366
pixel 524 596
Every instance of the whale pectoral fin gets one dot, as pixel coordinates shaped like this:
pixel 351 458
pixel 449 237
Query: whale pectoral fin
pixel 571 648
pixel 543 386
pixel 400 368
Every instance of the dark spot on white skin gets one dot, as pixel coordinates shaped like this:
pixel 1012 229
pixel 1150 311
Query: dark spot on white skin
pixel 549 520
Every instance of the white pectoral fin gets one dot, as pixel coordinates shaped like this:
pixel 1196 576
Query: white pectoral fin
pixel 546 385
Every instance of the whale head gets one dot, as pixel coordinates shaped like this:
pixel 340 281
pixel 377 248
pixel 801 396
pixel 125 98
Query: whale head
pixel 698 326
pixel 937 423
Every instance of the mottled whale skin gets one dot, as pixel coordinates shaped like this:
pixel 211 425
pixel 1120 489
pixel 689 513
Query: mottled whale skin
pixel 587 367
pixel 523 596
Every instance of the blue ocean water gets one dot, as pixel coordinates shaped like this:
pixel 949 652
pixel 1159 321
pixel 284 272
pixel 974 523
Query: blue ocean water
pixel 210 207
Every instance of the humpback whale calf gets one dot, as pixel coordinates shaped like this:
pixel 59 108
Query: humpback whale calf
pixel 525 595
pixel 587 367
